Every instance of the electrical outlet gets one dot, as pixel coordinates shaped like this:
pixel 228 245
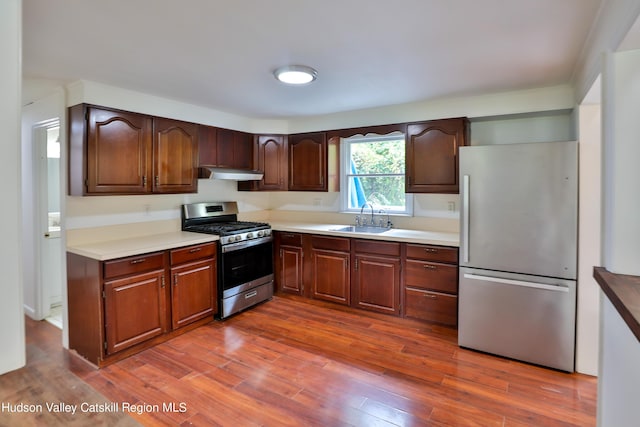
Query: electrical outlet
pixel 317 201
pixel 452 206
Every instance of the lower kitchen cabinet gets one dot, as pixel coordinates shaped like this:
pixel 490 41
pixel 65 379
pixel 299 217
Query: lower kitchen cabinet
pixel 432 306
pixel 122 306
pixel 375 276
pixel 330 278
pixel 431 283
pixel 193 275
pixel 401 279
pixel 288 263
pixel 135 310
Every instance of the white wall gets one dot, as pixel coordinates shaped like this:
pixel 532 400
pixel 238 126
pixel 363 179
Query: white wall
pixel 621 152
pixel 620 375
pixel 589 239
pixel 12 355
pixel 518 128
pixel 619 371
pixel 496 104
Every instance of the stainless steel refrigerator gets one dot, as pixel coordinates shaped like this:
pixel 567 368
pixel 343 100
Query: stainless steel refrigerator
pixel 518 251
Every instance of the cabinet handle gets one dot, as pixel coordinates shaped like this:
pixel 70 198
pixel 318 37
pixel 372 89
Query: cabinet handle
pixel 195 250
pixel 250 294
pixel 430 267
pixel 162 282
pixel 138 261
pixel 431 250
pixel 356 264
pixel 144 181
pixel 175 280
pixel 430 296
pixel 157 181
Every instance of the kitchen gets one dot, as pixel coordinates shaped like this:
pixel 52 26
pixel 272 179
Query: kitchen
pixel 84 213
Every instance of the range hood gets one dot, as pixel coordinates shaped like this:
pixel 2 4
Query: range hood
pixel 233 174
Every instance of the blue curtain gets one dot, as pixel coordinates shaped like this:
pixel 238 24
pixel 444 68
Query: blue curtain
pixel 356 193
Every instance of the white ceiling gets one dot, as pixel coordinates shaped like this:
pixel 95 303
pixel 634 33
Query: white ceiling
pixel 369 53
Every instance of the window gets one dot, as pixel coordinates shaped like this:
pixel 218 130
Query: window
pixel 373 172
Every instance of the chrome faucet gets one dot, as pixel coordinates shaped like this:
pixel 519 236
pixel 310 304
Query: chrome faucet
pixel 364 221
pixel 384 224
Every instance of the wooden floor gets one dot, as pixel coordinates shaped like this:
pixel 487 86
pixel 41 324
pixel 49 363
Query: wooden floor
pixel 291 362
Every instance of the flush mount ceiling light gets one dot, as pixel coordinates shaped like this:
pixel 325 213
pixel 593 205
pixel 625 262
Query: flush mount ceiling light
pixel 295 74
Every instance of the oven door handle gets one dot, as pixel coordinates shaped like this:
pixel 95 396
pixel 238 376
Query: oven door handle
pixel 245 244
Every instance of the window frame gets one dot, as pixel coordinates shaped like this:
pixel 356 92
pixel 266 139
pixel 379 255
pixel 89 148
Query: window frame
pixel 345 167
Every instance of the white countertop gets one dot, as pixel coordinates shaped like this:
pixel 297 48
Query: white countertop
pixel 394 234
pixel 112 249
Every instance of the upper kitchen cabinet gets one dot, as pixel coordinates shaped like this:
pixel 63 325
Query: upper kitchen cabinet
pixel 225 148
pixel 308 162
pixel 270 157
pixel 109 152
pixel 313 162
pixel 432 155
pixel 120 152
pixel 175 156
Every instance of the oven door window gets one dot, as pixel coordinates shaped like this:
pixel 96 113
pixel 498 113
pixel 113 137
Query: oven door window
pixel 246 264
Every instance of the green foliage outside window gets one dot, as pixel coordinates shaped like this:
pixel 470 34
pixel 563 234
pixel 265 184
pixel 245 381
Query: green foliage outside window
pixel 379 168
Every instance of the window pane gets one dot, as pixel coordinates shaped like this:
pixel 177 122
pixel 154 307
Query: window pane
pixel 378 157
pixel 383 192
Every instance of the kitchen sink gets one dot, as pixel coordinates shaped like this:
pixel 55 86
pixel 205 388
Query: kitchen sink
pixel 360 229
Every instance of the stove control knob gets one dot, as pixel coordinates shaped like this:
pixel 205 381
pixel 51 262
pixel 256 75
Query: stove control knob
pixel 249 235
pixel 260 233
pixel 238 238
pixel 267 232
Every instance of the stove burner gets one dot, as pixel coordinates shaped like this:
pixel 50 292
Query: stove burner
pixel 212 218
pixel 228 228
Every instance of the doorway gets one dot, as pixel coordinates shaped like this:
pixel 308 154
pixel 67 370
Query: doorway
pixel 46 149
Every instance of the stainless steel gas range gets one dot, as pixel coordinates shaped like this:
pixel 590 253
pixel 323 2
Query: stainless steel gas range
pixel 245 254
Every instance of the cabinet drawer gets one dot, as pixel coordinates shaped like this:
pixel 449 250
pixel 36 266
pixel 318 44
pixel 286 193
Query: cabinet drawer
pixel 431 275
pixel 433 253
pixel 192 253
pixel 431 306
pixel 290 239
pixel 377 247
pixel 134 264
pixel 331 243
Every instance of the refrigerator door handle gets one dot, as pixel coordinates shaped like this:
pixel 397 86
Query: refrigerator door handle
pixel 465 214
pixel 555 288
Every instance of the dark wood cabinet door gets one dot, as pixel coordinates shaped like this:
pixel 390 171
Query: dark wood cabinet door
pixel 242 150
pixel 290 270
pixel 234 149
pixel 175 152
pixel 432 155
pixel 193 292
pixel 330 276
pixel 308 162
pixel 376 283
pixel 224 148
pixel 272 160
pixel 207 145
pixel 135 309
pixel 118 152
